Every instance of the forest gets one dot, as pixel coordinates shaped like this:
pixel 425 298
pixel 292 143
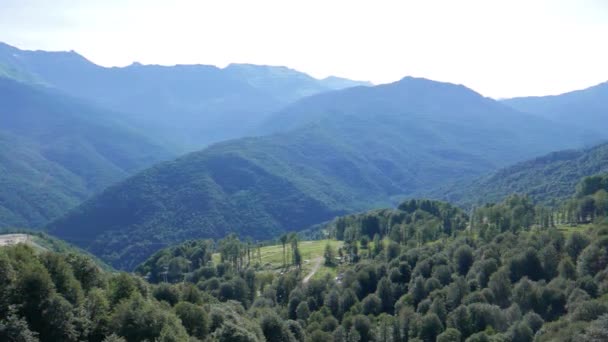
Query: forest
pixel 303 171
pixel 424 271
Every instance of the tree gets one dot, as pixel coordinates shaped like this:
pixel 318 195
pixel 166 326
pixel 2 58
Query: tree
pixel 592 260
pixel 33 288
pixel 86 271
pixel 566 268
pixel 231 332
pixel 597 331
pixel 457 290
pixel 296 330
pixel 330 255
pixel 63 277
pixel 302 311
pixel 15 328
pixel 460 319
pixel 550 260
pixel 274 329
pixel 438 308
pixel 463 258
pixel 575 244
pixel 122 286
pixel 449 335
pixel 363 327
pixel 418 290
pixel 296 256
pixel 348 299
pixel 525 294
pixel 371 305
pixel 385 293
pixel 521 332
pixel 384 328
pixel 114 338
pixel 166 292
pixel 194 318
pixel 139 319
pixel 534 321
pixel 58 320
pixel 332 301
pixel 526 264
pixel 430 327
pixel 284 240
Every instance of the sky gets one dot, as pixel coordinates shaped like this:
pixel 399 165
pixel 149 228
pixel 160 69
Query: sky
pixel 501 48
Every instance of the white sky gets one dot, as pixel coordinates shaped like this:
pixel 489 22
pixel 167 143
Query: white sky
pixel 499 48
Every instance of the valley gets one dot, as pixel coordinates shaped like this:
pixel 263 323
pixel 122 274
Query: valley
pixel 166 184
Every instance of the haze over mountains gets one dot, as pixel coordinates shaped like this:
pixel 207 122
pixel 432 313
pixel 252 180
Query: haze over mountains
pixel 323 147
pixel 71 128
pixel 342 152
pixel 586 108
pixel 184 106
pixel 56 151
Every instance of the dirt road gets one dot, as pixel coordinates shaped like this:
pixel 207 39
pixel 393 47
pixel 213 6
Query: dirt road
pixel 317 263
pixel 12 239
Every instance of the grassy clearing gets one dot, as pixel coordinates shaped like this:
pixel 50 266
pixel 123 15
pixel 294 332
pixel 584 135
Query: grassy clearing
pixel 569 229
pixel 272 256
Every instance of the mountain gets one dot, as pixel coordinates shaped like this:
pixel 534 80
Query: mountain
pixel 549 179
pixel 358 148
pixel 187 106
pixel 55 151
pixel 587 108
pixel 287 85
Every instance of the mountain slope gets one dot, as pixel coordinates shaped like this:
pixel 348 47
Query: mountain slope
pixel 455 117
pixel 188 106
pixel 56 151
pixel 586 108
pixel 287 85
pixel 348 150
pixel 549 179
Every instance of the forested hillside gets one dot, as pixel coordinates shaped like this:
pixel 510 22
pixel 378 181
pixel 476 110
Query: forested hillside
pixel 421 272
pixel 56 151
pixel 348 150
pixel 586 108
pixel 549 179
pixel 186 106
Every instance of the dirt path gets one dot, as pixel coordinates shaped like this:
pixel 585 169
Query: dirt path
pixel 12 239
pixel 315 268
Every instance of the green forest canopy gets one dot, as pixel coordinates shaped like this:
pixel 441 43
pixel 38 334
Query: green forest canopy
pixel 509 274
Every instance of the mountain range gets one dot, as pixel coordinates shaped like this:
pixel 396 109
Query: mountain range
pixel 184 106
pixel 70 128
pixel 56 150
pixel 586 108
pixel 330 154
pixel 92 149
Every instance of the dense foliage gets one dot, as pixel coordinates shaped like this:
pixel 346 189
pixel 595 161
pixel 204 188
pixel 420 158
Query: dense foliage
pixel 66 297
pixel 421 272
pixel 55 151
pixel 591 200
pixel 548 180
pixel 413 220
pixel 350 150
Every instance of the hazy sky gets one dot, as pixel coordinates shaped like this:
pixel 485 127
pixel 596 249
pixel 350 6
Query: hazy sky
pixel 499 48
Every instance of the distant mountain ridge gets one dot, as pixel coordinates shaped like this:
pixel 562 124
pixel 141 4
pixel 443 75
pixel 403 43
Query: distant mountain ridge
pixel 186 106
pixel 347 150
pixel 586 108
